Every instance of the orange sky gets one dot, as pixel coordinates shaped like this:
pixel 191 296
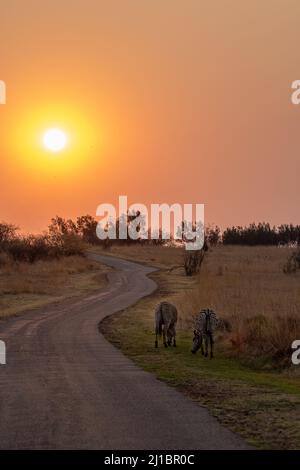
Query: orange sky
pixel 166 101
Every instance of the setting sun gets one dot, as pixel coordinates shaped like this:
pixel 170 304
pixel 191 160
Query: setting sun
pixel 55 140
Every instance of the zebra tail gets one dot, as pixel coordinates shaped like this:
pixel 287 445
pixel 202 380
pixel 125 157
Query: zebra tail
pixel 158 323
pixel 158 328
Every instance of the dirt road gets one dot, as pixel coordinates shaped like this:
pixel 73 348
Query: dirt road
pixel 65 387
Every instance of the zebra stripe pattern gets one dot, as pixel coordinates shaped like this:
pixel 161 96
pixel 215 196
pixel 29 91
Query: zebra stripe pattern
pixel 205 325
pixel 206 321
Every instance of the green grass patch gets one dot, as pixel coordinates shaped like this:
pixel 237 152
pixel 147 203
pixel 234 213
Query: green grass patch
pixel 262 406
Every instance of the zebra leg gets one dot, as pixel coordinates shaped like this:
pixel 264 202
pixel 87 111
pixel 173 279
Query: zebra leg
pixel 211 339
pixel 206 345
pixel 158 325
pixel 201 342
pixel 169 334
pixel 164 336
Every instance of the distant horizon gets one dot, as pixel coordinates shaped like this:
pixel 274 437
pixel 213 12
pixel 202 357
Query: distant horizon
pixel 207 224
pixel 176 101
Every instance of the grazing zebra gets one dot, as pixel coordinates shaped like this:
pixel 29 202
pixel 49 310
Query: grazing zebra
pixel 205 325
pixel 165 323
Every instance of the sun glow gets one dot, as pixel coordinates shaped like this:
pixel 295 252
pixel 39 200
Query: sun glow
pixel 55 140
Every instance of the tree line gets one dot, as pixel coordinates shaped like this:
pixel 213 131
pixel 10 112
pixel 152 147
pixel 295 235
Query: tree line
pixel 66 237
pixel 262 234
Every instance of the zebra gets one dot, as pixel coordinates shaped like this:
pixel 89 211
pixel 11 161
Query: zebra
pixel 165 323
pixel 205 325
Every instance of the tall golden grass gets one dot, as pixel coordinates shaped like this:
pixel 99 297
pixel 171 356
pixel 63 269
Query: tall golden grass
pixel 162 257
pixel 41 277
pixel 27 285
pixel 247 287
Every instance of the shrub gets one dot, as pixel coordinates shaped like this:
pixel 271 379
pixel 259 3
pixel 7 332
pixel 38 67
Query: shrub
pixel 193 261
pixel 259 302
pixel 292 263
pixel 262 234
pixel 7 232
pixel 4 259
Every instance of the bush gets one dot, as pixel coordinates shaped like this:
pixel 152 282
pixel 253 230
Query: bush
pixel 292 264
pixel 7 233
pixel 72 245
pixel 193 261
pixel 61 240
pixel 262 234
pixel 4 259
pixel 31 248
pixel 213 235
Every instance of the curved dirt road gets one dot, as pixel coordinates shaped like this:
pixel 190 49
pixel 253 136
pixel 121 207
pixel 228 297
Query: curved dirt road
pixel 66 387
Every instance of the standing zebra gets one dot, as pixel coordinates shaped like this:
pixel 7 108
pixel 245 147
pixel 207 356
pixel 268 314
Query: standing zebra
pixel 205 325
pixel 165 323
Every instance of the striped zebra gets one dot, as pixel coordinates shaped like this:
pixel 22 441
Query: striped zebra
pixel 165 323
pixel 205 325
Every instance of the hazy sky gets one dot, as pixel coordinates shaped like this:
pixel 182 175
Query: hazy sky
pixel 165 101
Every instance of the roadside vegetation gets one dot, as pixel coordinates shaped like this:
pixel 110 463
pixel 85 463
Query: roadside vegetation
pixel 36 270
pixel 249 275
pixel 25 286
pixel 251 385
pixel 260 303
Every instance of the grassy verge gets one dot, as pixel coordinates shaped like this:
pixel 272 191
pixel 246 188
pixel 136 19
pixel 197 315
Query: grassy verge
pixel 157 256
pixel 24 286
pixel 262 406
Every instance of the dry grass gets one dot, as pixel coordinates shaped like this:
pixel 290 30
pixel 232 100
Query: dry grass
pixel 157 256
pixel 246 286
pixel 24 286
pixel 262 405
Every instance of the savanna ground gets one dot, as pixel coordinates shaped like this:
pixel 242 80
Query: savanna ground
pixel 250 385
pixel 24 286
